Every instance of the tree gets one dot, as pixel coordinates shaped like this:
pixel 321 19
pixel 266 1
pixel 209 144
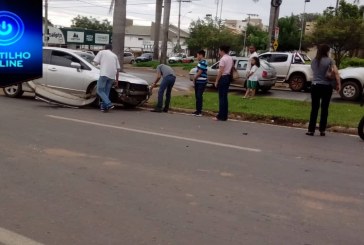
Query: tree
pixel 341 30
pixel 289 33
pixel 91 23
pixel 118 30
pixel 256 37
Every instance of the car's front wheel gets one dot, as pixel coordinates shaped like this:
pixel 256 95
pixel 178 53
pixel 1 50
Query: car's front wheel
pixel 14 91
pixel 350 91
pixel 297 83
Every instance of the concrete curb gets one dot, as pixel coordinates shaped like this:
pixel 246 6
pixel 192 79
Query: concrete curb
pixel 335 129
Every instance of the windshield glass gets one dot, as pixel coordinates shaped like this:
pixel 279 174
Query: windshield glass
pixel 145 55
pixel 88 57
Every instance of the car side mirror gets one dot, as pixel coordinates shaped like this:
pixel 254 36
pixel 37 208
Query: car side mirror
pixel 76 65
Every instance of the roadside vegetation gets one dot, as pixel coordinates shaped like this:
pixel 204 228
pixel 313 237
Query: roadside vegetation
pixel 352 62
pixel 271 110
pixel 153 64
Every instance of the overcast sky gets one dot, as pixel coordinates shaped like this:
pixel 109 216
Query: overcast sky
pixel 61 12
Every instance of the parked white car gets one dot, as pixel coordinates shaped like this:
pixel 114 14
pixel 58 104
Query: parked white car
pixel 352 82
pixel 72 72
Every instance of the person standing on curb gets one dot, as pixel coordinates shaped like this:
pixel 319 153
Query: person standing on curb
pixel 200 81
pixel 222 82
pixel 169 78
pixel 109 73
pixel 323 83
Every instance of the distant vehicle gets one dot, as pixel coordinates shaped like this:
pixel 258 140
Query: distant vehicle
pixel 144 57
pixel 352 83
pixel 266 74
pixel 129 58
pixel 72 72
pixel 291 68
pixel 181 58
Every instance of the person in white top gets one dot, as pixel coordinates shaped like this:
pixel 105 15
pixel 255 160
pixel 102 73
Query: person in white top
pixel 109 73
pixel 252 53
pixel 252 82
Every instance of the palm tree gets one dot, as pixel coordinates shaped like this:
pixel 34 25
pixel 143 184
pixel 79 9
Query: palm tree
pixel 157 27
pixel 166 11
pixel 118 30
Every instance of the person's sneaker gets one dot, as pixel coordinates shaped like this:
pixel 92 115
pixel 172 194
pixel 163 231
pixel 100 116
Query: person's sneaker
pixel 194 113
pixel 104 110
pixel 110 107
pixel 156 110
pixel 198 115
pixel 165 110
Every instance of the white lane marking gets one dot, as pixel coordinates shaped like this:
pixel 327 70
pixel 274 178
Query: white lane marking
pixel 157 134
pixel 11 238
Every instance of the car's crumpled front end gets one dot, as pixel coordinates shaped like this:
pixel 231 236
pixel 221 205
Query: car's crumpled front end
pixel 132 91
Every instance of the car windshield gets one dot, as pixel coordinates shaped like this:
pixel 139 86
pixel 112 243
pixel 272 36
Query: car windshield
pixel 88 57
pixel 145 55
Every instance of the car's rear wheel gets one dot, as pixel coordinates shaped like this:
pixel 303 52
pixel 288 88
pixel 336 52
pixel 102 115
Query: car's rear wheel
pixel 297 83
pixel 350 91
pixel 361 128
pixel 14 91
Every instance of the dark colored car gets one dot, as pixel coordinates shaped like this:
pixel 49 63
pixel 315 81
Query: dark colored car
pixel 144 57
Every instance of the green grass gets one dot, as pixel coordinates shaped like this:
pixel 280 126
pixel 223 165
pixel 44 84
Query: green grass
pixel 279 110
pixel 153 64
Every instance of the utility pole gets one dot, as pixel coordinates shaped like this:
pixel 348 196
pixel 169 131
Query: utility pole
pixel 45 32
pixel 217 7
pixel 303 23
pixel 273 20
pixel 179 24
pixel 157 28
pixel 222 2
pixel 166 15
pixel 246 31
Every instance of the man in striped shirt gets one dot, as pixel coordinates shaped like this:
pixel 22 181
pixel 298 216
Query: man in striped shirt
pixel 200 81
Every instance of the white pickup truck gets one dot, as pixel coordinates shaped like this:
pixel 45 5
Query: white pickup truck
pixel 291 68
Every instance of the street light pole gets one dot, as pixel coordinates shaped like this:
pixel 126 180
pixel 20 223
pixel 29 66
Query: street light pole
pixel 179 27
pixel 303 22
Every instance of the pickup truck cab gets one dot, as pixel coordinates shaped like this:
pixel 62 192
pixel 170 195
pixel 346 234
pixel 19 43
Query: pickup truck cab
pixel 178 58
pixel 291 68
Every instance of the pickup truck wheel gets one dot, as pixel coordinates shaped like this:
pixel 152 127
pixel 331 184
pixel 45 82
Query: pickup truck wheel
pixel 349 91
pixel 14 91
pixel 297 83
pixel 264 90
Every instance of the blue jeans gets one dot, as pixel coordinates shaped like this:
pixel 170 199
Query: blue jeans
pixel 199 90
pixel 104 85
pixel 166 85
pixel 223 88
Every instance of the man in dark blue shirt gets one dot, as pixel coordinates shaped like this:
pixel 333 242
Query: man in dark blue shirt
pixel 200 81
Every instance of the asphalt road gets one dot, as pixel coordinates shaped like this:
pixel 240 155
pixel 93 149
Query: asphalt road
pixel 184 85
pixel 78 176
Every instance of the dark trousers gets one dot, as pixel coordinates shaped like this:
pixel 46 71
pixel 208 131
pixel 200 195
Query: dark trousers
pixel 320 94
pixel 166 85
pixel 199 90
pixel 223 88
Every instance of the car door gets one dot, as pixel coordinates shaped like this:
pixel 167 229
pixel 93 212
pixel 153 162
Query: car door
pixel 241 68
pixel 281 64
pixel 61 75
pixel 212 72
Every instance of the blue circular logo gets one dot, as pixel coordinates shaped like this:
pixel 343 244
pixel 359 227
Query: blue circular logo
pixel 11 28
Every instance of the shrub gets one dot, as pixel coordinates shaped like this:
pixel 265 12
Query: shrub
pixel 353 62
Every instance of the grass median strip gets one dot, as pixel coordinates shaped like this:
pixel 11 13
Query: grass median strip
pixel 282 111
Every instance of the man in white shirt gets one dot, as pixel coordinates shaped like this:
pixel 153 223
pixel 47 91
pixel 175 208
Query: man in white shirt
pixel 252 53
pixel 109 73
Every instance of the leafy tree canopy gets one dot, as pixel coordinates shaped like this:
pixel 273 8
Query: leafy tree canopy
pixel 342 30
pixel 91 23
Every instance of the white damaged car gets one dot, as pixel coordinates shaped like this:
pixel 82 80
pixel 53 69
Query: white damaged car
pixel 70 78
